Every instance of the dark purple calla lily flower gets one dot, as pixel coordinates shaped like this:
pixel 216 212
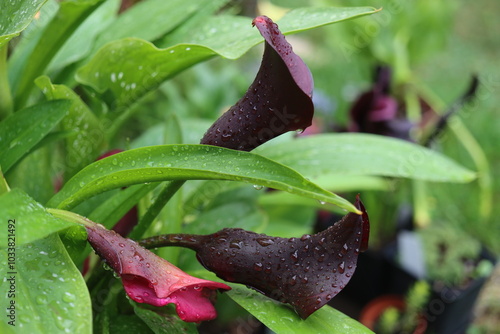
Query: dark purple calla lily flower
pixel 147 278
pixel 376 111
pixel 278 101
pixel 305 272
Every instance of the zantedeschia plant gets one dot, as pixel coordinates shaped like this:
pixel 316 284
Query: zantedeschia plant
pixel 69 85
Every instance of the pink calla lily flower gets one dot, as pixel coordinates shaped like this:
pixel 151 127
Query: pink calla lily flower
pixel 147 278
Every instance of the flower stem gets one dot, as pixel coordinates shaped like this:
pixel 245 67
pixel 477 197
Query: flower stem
pixel 5 95
pixel 71 217
pixel 190 241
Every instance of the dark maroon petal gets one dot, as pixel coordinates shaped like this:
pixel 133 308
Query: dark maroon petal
pixel 305 272
pixel 278 101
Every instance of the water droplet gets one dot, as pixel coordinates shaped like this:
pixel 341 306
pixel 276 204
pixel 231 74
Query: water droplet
pixel 341 267
pixel 305 237
pixel 257 266
pixel 264 242
pixel 236 244
pixel 295 255
pixel 68 297
pixel 41 300
pixel 293 280
pixel 114 162
pixel 257 187
pixel 322 202
pixel 319 300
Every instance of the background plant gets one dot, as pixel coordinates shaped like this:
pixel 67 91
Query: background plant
pixel 74 51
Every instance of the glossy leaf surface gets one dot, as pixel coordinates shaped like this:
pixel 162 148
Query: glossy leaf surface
pixel 186 162
pixel 364 154
pixel 24 129
pixel 51 295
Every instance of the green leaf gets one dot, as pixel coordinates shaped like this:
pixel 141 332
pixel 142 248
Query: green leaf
pixel 165 323
pixel 16 16
pixel 232 215
pixel 364 154
pixel 138 21
pixel 115 207
pixel 186 162
pixel 51 295
pixel 232 36
pixel 68 18
pixel 281 318
pixel 87 140
pixel 147 66
pixel 22 130
pixel 32 222
pixel 79 45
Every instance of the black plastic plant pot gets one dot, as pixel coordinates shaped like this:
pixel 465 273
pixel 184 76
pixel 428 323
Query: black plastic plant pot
pixel 450 309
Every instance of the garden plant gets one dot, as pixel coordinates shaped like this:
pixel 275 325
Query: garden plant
pixel 115 219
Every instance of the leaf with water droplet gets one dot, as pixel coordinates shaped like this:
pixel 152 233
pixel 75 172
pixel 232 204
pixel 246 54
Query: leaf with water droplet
pixel 31 219
pixel 218 164
pixel 57 288
pixel 23 132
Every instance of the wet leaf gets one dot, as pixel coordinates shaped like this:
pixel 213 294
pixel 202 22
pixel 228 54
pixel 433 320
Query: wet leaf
pixel 278 101
pixel 87 138
pixel 51 295
pixel 22 130
pixel 16 16
pixel 364 154
pixel 186 162
pixel 32 221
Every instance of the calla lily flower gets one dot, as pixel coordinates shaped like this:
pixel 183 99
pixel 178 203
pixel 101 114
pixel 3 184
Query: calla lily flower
pixel 278 101
pixel 305 272
pixel 376 111
pixel 147 278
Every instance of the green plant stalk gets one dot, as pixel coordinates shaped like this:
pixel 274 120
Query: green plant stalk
pixel 481 161
pixel 6 103
pixel 474 150
pixel 71 217
pixel 420 204
pixel 163 197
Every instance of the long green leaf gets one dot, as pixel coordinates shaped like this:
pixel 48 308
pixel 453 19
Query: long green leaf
pixel 16 16
pixel 364 154
pixel 22 130
pixel 186 162
pixel 69 17
pixel 50 293
pixel 32 222
pixel 87 140
pixel 283 320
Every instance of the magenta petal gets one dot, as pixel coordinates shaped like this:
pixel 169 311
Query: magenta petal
pixel 193 304
pixel 278 101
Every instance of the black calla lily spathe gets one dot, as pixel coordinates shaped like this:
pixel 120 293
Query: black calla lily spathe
pixel 278 101
pixel 305 272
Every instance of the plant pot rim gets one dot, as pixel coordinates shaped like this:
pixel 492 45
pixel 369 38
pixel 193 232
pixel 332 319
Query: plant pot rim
pixel 372 311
